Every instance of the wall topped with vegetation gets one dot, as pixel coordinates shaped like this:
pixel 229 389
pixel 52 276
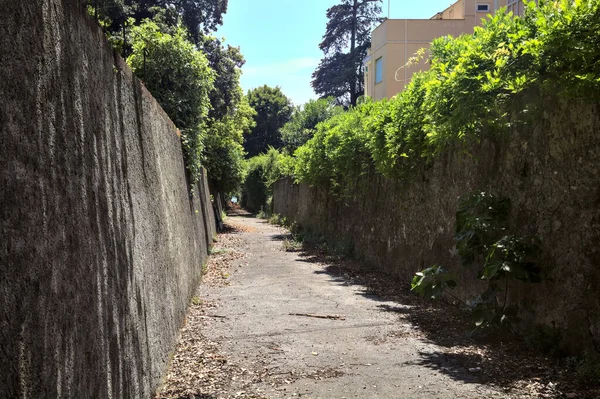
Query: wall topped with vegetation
pixel 101 242
pixel 512 111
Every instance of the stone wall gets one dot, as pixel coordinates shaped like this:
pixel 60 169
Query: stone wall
pixel 101 243
pixel 551 174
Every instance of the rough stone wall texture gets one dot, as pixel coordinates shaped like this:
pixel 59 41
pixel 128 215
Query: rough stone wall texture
pixel 101 245
pixel 551 174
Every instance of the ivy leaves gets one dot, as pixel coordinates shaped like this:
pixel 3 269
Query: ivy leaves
pixel 482 241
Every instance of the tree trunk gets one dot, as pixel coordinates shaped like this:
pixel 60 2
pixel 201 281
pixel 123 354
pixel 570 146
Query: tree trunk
pixel 353 97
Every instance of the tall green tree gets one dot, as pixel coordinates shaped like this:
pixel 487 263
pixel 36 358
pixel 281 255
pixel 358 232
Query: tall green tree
pixel 345 43
pixel 200 17
pixel 226 62
pixel 302 126
pixel 229 119
pixel 273 110
pixel 179 77
pixel 175 72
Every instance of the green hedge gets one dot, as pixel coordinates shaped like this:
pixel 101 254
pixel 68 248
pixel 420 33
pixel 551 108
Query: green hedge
pixel 477 85
pixel 261 172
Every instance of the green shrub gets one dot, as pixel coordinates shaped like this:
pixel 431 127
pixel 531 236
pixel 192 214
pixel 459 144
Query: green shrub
pixel 482 241
pixel 261 172
pixel 479 85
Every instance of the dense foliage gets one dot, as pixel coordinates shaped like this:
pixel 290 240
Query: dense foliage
pixel 261 172
pixel 303 123
pixel 199 17
pixel 273 110
pixel 477 85
pixel 230 118
pixel 223 155
pixel 174 71
pixel 178 76
pixel 345 43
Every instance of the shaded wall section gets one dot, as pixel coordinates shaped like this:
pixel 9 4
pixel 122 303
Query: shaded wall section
pixel 551 174
pixel 101 243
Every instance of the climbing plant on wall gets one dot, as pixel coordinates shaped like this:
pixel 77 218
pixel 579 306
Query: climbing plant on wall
pixel 483 241
pixel 479 85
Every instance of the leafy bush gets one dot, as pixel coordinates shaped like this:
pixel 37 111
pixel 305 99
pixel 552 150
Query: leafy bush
pixel 223 153
pixel 482 240
pixel 304 120
pixel 174 71
pixel 478 85
pixel 261 172
pixel 432 282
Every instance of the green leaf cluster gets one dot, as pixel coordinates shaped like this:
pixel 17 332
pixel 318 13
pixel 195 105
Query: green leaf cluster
pixel 432 282
pixel 261 172
pixel 175 72
pixel 223 154
pixel 478 85
pixel 198 16
pixel 305 118
pixel 273 111
pixel 482 240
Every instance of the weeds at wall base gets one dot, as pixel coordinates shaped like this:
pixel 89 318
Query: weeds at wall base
pixel 196 301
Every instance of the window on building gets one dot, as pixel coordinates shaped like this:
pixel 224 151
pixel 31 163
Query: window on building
pixel 483 7
pixel 379 70
pixel 513 6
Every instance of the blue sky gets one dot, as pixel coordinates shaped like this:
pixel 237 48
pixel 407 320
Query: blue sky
pixel 280 38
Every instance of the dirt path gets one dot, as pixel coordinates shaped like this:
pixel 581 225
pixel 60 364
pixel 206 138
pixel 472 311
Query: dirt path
pixel 245 321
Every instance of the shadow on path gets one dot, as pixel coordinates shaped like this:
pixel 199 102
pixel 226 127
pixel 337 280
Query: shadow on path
pixel 493 358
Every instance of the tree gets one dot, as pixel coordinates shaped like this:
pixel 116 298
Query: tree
pixel 178 76
pixel 223 154
pixel 200 17
pixel 340 74
pixel 304 120
pixel 273 110
pixel 229 120
pixel 226 63
pixel 175 72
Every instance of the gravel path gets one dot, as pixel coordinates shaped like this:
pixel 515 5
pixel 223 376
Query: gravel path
pixel 247 313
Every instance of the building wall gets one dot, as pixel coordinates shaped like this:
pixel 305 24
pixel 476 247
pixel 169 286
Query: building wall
pixel 101 243
pixel 396 41
pixel 551 174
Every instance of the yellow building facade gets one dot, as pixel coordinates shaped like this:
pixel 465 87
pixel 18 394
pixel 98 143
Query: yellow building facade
pixel 395 41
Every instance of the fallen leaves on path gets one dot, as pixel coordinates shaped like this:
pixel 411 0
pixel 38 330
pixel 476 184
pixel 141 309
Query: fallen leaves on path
pixel 199 370
pixel 496 359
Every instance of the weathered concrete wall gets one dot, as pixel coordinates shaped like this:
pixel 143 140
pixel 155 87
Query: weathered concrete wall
pixel 552 177
pixel 101 245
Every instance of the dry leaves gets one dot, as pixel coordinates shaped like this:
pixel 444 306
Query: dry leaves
pixel 199 370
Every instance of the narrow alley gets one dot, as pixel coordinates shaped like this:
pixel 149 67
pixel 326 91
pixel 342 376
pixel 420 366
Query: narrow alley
pixel 271 323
